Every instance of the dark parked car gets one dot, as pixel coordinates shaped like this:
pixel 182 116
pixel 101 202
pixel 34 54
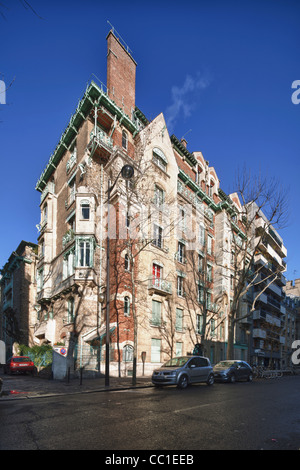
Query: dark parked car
pixel 19 364
pixel 1 386
pixel 232 371
pixel 184 370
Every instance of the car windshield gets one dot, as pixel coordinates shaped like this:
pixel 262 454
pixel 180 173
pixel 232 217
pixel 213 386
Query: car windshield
pixel 176 362
pixel 21 359
pixel 225 364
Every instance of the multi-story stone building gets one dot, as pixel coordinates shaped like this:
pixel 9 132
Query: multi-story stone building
pixel 156 253
pixel 268 317
pixel 18 314
pixel 162 234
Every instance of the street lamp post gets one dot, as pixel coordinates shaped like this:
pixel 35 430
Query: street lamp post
pixel 127 173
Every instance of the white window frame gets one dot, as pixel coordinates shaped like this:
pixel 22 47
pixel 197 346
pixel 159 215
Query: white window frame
pixel 155 350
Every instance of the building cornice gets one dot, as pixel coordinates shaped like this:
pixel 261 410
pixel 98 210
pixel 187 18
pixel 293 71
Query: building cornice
pixel 94 95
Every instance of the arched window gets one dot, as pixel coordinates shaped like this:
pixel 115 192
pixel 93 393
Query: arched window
pixel 128 353
pixel 124 140
pixel 127 263
pixel 211 188
pixel 126 306
pixel 160 159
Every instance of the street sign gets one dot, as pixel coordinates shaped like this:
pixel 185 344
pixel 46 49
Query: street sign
pixel 62 350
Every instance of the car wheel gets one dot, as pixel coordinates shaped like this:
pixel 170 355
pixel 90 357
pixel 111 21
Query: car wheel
pixel 250 378
pixel 232 379
pixel 183 382
pixel 210 380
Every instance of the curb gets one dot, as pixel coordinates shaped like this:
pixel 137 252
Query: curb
pixel 4 397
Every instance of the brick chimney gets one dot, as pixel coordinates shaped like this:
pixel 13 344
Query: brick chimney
pixel 184 142
pixel 121 70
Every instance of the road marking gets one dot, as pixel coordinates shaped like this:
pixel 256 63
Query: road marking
pixel 202 406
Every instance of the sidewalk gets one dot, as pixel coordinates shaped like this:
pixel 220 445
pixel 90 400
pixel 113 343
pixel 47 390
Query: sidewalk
pixel 18 387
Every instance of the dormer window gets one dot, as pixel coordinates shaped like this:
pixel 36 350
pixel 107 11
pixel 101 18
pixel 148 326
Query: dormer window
pixel 198 174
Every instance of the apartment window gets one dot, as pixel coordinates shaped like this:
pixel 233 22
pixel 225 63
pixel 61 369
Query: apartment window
pixel 71 222
pixel 44 213
pixel 42 248
pixel 158 236
pixel 179 319
pixel 181 252
pixel 124 140
pixel 85 210
pixel 209 273
pixel 72 190
pixel 73 157
pixel 40 279
pixel 84 253
pixel 213 331
pixel 182 220
pixel 209 245
pixel 68 264
pixel 127 263
pixel 126 306
pixel 208 300
pixel 155 350
pixel 200 263
pixel 156 313
pixel 127 219
pixel 199 324
pixel 128 353
pixel 202 234
pixel 221 331
pixel 198 174
pixel 159 196
pixel 211 189
pixel 178 349
pixel 180 286
pixel 71 310
pixel 200 293
pixel 160 159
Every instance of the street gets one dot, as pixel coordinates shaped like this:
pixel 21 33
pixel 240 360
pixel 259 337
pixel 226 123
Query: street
pixel 264 415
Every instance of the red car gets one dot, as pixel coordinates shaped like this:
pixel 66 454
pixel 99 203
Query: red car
pixel 19 364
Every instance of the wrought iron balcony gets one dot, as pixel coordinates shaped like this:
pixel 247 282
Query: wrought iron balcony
pixel 160 286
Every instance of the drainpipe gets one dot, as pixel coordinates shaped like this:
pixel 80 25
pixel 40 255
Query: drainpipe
pixel 101 247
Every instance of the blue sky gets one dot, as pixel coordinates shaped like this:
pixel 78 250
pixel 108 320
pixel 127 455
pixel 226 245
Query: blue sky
pixel 220 71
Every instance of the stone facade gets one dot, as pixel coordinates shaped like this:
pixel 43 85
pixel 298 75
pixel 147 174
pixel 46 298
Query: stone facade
pixel 18 314
pixel 166 236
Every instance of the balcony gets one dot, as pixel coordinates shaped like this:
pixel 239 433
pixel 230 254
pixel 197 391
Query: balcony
pixel 258 333
pixel 260 259
pixel 50 188
pixel 100 144
pixel 159 286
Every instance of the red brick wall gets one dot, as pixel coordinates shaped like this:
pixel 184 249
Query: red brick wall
pixel 121 70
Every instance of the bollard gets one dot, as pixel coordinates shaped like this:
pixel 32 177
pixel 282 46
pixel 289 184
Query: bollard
pixel 81 370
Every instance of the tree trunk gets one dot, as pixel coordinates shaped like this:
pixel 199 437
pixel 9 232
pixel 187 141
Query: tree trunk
pixel 230 344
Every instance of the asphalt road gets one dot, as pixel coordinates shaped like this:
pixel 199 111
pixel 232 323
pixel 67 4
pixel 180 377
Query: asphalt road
pixel 264 414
